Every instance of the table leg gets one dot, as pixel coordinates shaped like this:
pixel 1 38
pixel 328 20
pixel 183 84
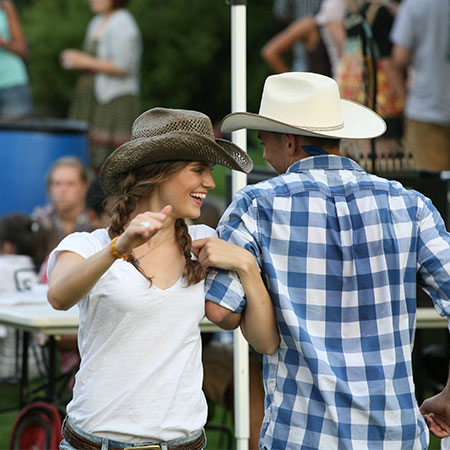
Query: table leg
pixel 51 368
pixel 24 376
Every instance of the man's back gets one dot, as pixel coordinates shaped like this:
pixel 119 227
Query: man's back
pixel 339 250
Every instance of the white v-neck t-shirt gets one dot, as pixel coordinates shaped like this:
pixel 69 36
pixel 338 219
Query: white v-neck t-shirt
pixel 141 374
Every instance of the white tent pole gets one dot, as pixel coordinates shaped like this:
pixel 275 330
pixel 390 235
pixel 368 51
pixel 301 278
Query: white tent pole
pixel 238 181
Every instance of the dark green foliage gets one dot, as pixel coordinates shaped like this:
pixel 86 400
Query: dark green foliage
pixel 50 27
pixel 186 60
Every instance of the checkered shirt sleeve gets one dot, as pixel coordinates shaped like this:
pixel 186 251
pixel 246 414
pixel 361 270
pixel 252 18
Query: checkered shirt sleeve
pixel 238 225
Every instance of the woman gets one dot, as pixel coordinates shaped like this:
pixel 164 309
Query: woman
pixel 140 292
pixel 107 96
pixel 15 94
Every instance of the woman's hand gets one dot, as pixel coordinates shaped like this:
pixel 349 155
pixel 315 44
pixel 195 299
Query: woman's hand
pixel 73 276
pixel 141 229
pixel 72 59
pixel 215 252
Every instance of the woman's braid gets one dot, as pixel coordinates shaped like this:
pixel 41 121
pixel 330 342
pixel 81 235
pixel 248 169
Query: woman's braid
pixel 122 206
pixel 193 270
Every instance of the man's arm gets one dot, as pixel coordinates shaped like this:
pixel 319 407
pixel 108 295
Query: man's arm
pixel 237 284
pixel 303 30
pixel 433 259
pixel 436 411
pixel 221 316
pixel 396 68
pixel 257 320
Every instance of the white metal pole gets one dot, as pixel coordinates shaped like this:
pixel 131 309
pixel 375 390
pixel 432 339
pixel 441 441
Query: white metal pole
pixel 238 181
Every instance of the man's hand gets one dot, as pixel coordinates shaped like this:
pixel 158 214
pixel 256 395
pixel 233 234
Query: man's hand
pixel 436 411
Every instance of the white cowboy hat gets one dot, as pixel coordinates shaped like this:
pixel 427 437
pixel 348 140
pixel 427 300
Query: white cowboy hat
pixel 308 104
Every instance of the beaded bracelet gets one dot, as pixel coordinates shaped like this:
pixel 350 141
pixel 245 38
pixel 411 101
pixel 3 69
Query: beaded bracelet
pixel 116 252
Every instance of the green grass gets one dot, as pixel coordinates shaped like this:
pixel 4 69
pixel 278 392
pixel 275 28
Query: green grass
pixel 6 422
pixel 216 438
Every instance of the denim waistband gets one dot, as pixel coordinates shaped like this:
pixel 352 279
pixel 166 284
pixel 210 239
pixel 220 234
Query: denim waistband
pixel 105 442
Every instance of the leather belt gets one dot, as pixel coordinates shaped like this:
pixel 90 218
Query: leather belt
pixel 80 442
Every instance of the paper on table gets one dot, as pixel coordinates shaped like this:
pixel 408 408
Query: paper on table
pixel 37 295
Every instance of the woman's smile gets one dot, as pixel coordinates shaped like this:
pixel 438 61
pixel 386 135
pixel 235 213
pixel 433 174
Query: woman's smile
pixel 193 182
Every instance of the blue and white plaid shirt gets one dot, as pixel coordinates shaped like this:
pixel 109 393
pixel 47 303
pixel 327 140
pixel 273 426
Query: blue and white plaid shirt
pixel 339 250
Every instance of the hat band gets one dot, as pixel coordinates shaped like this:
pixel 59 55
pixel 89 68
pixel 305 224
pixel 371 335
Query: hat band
pixel 335 127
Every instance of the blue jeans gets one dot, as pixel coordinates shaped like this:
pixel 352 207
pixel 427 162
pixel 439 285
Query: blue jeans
pixel 15 101
pixel 105 442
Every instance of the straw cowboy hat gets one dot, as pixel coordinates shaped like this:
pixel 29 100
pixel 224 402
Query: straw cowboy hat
pixel 308 104
pixel 162 134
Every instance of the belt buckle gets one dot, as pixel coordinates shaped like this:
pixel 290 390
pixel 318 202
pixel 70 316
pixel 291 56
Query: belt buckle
pixel 145 447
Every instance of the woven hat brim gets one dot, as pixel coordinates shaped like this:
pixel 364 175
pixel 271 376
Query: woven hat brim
pixel 360 122
pixel 172 146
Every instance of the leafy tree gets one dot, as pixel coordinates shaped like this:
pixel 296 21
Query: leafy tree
pixel 186 59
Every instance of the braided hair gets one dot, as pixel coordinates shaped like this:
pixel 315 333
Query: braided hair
pixel 137 185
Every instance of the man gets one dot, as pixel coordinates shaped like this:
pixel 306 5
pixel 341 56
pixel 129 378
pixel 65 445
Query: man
pixel 421 37
pixel 339 250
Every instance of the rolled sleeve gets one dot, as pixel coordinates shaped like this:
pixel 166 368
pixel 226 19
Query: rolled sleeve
pixel 237 226
pixel 224 288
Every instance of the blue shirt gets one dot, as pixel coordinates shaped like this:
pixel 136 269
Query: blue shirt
pixel 339 250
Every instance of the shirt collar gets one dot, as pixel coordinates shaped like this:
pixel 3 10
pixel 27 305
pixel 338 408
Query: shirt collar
pixel 324 162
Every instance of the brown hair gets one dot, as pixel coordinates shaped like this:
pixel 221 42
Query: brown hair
pixel 28 237
pixel 116 4
pixel 139 184
pixel 324 142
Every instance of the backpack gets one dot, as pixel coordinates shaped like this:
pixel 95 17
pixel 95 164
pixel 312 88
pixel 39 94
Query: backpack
pixel 37 427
